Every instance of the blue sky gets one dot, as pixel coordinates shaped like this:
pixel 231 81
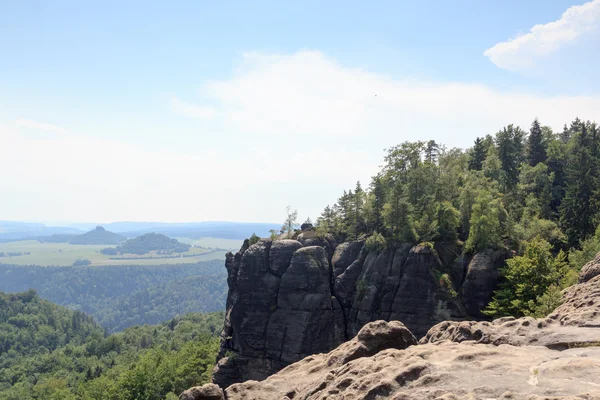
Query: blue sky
pixel 190 110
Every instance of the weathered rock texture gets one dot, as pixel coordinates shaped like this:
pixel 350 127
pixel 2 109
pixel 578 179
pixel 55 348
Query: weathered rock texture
pixel 590 269
pixel 456 360
pixel 289 299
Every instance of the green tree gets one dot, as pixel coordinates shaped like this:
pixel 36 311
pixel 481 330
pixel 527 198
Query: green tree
pixel 291 222
pixel 485 230
pixel 527 278
pixel 536 146
pixel 375 203
pixel 448 221
pixel 580 204
pixel 397 216
pixel 509 142
pixel 477 156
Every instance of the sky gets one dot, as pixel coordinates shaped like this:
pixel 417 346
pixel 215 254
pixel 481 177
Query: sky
pixel 231 111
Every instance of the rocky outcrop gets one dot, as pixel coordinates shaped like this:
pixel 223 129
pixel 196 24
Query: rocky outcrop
pixel 575 323
pixel 207 392
pixel 289 299
pixel 280 309
pixel 557 357
pixel 590 269
pixel 401 284
pixel 480 278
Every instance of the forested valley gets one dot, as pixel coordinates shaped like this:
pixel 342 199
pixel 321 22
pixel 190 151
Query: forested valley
pixel 122 296
pixel 51 352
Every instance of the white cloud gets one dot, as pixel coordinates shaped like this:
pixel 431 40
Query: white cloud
pixel 307 96
pixel 31 124
pixel 522 52
pixel 292 129
pixel 190 110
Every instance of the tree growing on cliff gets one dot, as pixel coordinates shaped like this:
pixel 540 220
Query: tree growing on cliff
pixel 447 222
pixel 291 222
pixel 485 230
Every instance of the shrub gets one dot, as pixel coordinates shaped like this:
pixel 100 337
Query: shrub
pixel 376 242
pixel 253 239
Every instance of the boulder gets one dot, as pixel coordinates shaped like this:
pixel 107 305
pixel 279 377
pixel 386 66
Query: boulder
pixel 281 254
pixel 345 254
pixel 590 270
pixel 209 391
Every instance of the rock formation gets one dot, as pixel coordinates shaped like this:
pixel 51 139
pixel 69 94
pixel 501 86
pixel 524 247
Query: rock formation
pixel 289 299
pixel 557 357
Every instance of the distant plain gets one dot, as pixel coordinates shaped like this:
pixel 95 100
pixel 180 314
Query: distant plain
pixel 64 254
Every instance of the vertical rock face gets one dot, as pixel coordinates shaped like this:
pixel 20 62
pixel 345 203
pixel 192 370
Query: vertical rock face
pixel 280 309
pixel 289 299
pixel 480 280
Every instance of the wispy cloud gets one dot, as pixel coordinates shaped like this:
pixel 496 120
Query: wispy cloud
pixel 190 110
pixel 308 96
pixel 31 124
pixel 523 51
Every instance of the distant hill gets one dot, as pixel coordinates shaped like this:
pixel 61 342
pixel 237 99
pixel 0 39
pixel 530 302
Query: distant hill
pixel 194 230
pixel 13 230
pixel 147 243
pixel 97 236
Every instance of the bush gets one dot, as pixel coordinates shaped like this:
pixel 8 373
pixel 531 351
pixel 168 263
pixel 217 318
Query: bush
pixel 81 262
pixel 529 280
pixel 446 283
pixel 376 242
pixel 253 239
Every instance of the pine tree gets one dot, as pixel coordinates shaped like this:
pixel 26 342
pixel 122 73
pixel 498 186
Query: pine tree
pixel 478 153
pixel 397 216
pixel 579 206
pixel 378 201
pixel 432 151
pixel 509 142
pixel 536 147
pixel 565 135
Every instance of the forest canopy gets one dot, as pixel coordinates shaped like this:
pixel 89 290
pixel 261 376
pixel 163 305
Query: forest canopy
pixel 534 194
pixel 504 191
pixel 50 352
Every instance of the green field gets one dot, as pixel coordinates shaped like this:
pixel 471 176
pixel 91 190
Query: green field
pixel 213 243
pixel 64 254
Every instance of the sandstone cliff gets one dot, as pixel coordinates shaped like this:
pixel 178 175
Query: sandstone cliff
pixel 557 357
pixel 289 299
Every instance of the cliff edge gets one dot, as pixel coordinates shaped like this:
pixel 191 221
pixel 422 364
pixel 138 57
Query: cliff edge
pixel 291 298
pixel 557 357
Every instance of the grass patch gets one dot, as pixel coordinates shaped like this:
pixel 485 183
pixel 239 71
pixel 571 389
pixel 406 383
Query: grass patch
pixel 65 254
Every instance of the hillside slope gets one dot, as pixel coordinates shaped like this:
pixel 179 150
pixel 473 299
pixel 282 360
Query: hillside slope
pixel 122 296
pixel 50 352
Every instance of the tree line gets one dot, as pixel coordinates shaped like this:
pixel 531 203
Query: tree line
pixel 535 194
pixel 504 190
